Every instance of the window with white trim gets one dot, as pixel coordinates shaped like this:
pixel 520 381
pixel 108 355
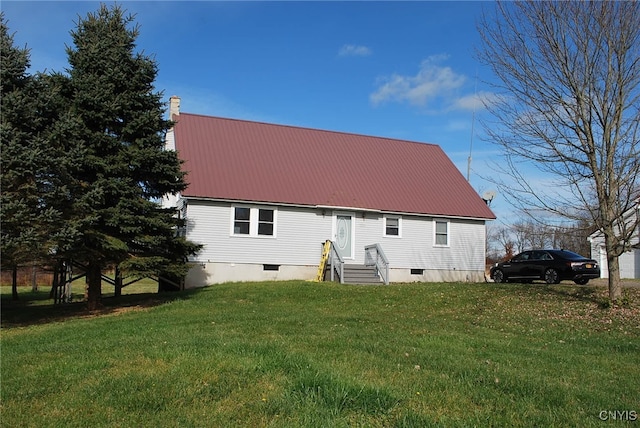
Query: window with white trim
pixel 242 221
pixel 392 226
pixel 265 222
pixel 441 232
pixel 253 221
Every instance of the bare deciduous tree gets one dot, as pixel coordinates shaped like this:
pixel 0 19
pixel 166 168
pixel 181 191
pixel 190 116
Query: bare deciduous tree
pixel 499 242
pixel 526 235
pixel 568 102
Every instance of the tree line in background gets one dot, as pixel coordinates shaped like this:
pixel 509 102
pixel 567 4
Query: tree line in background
pixel 505 241
pixel 83 159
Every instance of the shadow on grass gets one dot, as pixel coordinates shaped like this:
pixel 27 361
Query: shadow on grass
pixel 583 294
pixel 24 312
pixel 570 292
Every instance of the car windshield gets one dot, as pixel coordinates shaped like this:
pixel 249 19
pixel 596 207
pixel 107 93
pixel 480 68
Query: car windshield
pixel 569 255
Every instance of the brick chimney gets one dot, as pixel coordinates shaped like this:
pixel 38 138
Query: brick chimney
pixel 174 107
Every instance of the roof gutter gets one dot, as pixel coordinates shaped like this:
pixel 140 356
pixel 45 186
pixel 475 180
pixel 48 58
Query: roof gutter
pixel 332 207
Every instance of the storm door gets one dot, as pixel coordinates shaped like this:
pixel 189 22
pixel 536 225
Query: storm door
pixel 343 235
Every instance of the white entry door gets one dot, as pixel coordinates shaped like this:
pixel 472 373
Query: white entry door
pixel 343 235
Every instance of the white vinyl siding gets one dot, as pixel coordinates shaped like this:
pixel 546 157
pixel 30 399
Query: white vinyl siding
pixel 629 264
pixel 629 261
pixel 417 249
pixel 300 232
pixel 297 239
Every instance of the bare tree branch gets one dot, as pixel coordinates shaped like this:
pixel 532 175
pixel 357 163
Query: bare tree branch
pixel 569 102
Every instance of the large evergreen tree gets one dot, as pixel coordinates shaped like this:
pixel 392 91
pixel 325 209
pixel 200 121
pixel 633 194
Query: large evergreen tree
pixel 125 169
pixel 14 208
pixel 30 175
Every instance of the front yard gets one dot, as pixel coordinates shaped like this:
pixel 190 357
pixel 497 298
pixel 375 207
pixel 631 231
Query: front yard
pixel 291 354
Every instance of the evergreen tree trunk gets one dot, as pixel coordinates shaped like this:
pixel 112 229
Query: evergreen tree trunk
pixel 34 277
pixel 55 282
pixel 14 283
pixel 118 283
pixel 93 291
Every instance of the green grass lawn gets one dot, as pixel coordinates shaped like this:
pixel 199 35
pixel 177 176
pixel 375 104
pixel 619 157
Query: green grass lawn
pixel 302 354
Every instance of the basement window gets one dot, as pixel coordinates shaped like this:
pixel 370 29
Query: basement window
pixel 417 271
pixel 270 267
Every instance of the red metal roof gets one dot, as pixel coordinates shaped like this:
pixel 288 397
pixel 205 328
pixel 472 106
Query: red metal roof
pixel 251 161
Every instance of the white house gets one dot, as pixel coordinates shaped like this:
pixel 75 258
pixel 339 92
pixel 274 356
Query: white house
pixel 629 260
pixel 263 198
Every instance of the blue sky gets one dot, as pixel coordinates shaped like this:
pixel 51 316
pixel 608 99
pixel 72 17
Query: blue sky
pixel 403 70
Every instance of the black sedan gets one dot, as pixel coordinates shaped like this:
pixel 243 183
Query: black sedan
pixel 552 266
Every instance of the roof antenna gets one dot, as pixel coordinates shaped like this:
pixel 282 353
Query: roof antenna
pixel 473 121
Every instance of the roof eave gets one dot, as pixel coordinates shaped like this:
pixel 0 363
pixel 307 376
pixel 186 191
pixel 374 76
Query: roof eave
pixel 336 207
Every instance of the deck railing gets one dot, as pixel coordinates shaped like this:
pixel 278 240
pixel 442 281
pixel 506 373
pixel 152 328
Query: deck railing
pixel 337 264
pixel 374 256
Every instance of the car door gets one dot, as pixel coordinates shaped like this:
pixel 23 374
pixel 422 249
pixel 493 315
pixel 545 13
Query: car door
pixel 546 261
pixel 537 266
pixel 518 265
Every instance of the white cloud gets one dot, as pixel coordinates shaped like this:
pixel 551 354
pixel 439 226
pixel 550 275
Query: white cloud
pixel 476 101
pixel 355 50
pixel 432 81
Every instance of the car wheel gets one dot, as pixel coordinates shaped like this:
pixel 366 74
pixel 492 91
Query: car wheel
pixel 551 276
pixel 581 281
pixel 498 276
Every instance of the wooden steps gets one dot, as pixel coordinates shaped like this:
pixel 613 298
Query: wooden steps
pixel 360 274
